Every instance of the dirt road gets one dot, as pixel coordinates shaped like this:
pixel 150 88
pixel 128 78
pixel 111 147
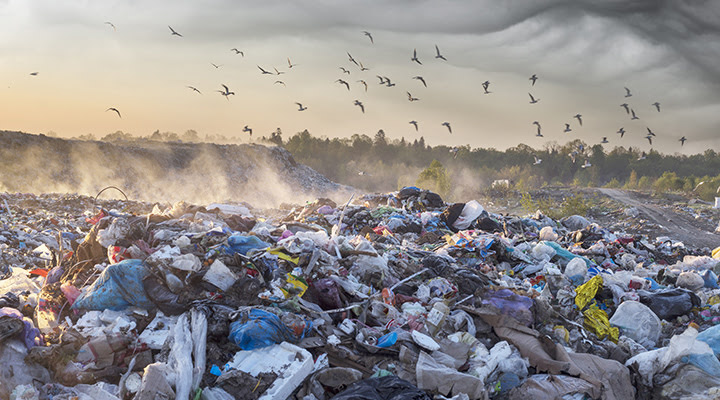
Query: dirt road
pixel 680 227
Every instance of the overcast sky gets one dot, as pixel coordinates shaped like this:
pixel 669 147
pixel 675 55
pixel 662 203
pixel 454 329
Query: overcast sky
pixel 584 53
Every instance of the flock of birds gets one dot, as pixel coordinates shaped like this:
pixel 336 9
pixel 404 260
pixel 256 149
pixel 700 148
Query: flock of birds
pixel 385 81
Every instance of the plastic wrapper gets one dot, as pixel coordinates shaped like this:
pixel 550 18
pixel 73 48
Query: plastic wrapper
pixel 587 291
pixel 596 321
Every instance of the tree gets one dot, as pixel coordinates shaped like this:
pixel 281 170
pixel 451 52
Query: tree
pixel 434 178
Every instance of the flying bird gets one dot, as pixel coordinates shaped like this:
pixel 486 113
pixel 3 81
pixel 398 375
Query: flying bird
pixel 382 79
pixel 278 72
pixel 657 105
pixel 533 78
pixel 290 65
pixel 411 98
pixel 447 124
pixel 572 156
pixel 485 86
pixel 538 128
pixel 567 128
pixel 633 114
pixel 34 73
pixel 225 92
pixel 627 92
pixel 237 51
pixel 114 109
pixel 300 107
pixel 537 161
pixel 388 83
pixel 650 133
pixel 649 138
pixel 362 67
pixel 626 107
pixel 414 57
pixel 579 118
pixel 604 140
pixel 370 36
pixel 532 99
pixel 248 130
pixel 351 59
pixel 587 164
pixel 415 124
pixel 682 141
pixel 363 173
pixel 421 79
pixel 360 104
pixel 262 71
pixel 454 150
pixel 364 83
pixel 438 55
pixel 172 32
pixel 215 65
pixel 281 82
pixel 342 82
pixel 344 70
pixel 621 131
pixel 194 89
pixel 642 156
pixel 111 24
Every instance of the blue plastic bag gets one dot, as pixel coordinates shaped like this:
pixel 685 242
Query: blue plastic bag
pixel 706 362
pixel 565 254
pixel 711 336
pixel 119 286
pixel 710 279
pixel 244 243
pixel 260 328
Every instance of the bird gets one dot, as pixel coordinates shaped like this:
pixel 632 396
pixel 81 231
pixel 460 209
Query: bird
pixel 351 59
pixel 579 118
pixel 411 98
pixel 382 79
pixel 538 128
pixel 682 141
pixel 278 72
pixel 363 68
pixel 454 150
pixel 342 82
pixel 533 78
pixel 537 161
pixel 650 133
pixel 172 32
pixel 604 140
pixel 627 92
pixel 370 36
pixel 438 55
pixel 567 128
pixel 415 124
pixel 586 164
pixel 114 109
pixel 633 114
pixel 388 83
pixel 290 65
pixel 194 89
pixel 34 73
pixel 264 72
pixel 421 79
pixel 360 104
pixel 532 99
pixel 447 124
pixel 649 138
pixel 112 25
pixel 237 51
pixel 300 107
pixel 698 185
pixel 215 65
pixel 248 130
pixel 657 105
pixel 642 156
pixel 621 131
pixel 281 82
pixel 625 106
pixel 363 173
pixel 485 86
pixel 225 92
pixel 414 57
pixel 572 156
pixel 344 70
pixel 364 83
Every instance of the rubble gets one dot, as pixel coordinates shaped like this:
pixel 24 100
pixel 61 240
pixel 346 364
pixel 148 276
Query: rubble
pixel 396 295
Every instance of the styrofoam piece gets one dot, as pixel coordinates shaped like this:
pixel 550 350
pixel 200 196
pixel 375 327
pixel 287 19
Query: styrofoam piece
pixel 220 275
pixel 425 341
pixel 291 363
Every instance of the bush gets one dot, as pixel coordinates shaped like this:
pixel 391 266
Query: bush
pixel 434 178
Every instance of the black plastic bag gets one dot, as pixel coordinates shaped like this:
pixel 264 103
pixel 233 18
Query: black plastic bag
pixel 384 388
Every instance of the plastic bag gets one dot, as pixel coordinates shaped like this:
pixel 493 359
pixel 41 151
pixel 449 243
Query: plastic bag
pixel 244 243
pixel 470 212
pixel 711 336
pixel 638 322
pixel 383 388
pixel 587 291
pixel 671 303
pixel 119 286
pixel 575 270
pixel 258 328
pixel 512 304
pixel 596 321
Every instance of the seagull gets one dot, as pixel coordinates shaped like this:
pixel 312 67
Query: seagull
pixel 454 150
pixel 237 51
pixel 351 59
pixel 587 164
pixel 172 32
pixel 226 92
pixel 414 57
pixel 649 138
pixel 604 140
pixel 300 107
pixel 278 72
pixel 382 79
pixel 364 83
pixel 650 133
pixel 111 24
pixel 342 82
pixel 370 36
pixel 567 128
pixel 447 124
pixel 248 130
pixel 194 89
pixel 657 105
pixel 415 124
pixel 572 156
pixel 538 125
pixel 642 156
pixel 344 70
pixel 290 65
pixel 264 72
pixel 411 98
pixel 682 141
pixel 114 109
pixel 532 99
pixel 363 173
pixel 579 118
pixel 362 67
pixel 215 65
pixel 625 106
pixel 485 86
pixel 281 82
pixel 698 185
pixel 34 73
pixel 438 55
pixel 537 161
pixel 388 83
pixel 533 78
pixel 621 131
pixel 627 92
pixel 421 79
pixel 360 104
pixel 633 114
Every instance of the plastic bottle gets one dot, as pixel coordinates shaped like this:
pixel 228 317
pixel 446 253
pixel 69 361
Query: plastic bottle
pixel 436 317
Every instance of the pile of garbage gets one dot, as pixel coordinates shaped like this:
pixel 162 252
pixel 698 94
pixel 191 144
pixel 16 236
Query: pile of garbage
pixel 390 296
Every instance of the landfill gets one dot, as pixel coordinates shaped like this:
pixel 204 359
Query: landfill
pixel 386 296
